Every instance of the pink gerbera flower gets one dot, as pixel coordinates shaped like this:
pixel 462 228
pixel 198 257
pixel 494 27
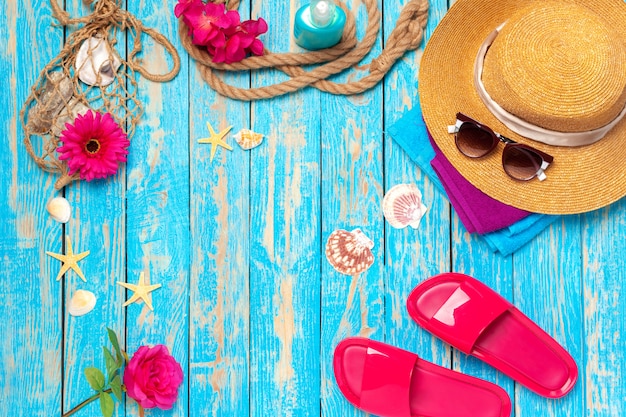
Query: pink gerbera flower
pixel 93 145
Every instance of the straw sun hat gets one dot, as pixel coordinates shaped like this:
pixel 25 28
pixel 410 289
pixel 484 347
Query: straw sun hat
pixel 559 69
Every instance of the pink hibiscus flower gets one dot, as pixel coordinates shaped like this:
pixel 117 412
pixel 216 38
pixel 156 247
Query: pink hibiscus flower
pixel 208 23
pixel 241 41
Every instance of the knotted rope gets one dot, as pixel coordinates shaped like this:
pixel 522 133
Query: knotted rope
pixel 106 14
pixel 59 95
pixel 406 36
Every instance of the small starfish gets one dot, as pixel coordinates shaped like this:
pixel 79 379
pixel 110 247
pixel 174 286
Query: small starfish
pixel 141 291
pixel 216 139
pixel 70 260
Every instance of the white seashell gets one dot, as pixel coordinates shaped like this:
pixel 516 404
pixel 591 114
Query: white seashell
pixel 59 209
pixel 248 139
pixel 349 252
pixel 97 62
pixel 81 303
pixel 402 206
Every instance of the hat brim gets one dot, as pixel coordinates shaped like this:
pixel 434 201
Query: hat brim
pixel 580 179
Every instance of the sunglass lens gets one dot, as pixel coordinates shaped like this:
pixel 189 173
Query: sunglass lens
pixel 520 163
pixel 474 141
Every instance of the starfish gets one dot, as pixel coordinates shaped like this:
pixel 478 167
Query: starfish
pixel 70 260
pixel 141 291
pixel 216 139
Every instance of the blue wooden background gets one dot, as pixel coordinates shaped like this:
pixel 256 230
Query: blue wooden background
pixel 249 305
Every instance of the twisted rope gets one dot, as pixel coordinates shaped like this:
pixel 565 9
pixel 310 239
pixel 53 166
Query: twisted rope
pixel 406 36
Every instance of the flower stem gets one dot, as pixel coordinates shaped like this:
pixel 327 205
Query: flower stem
pixel 84 403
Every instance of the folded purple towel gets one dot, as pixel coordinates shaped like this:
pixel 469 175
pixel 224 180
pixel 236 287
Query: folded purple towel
pixel 478 212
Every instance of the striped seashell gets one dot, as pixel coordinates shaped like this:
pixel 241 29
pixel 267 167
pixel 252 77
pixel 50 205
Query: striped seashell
pixel 349 252
pixel 248 139
pixel 403 206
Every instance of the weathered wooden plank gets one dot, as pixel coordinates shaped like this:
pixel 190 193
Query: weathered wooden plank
pixel 157 233
pixel 97 225
pixel 547 288
pixel 284 240
pixel 412 255
pixel 352 191
pixel 603 277
pixel 30 351
pixel 219 283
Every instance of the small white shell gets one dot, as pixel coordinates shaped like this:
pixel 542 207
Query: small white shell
pixel 402 206
pixel 59 209
pixel 96 62
pixel 81 303
pixel 349 252
pixel 248 139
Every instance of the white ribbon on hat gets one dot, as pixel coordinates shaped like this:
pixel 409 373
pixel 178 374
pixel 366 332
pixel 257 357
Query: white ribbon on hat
pixel 525 128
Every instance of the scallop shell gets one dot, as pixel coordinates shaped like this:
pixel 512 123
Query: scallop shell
pixel 81 303
pixel 97 62
pixel 248 139
pixel 59 209
pixel 349 252
pixel 402 206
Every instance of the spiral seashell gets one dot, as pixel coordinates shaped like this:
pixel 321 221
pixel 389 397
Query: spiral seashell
pixel 349 252
pixel 81 303
pixel 402 206
pixel 59 209
pixel 97 62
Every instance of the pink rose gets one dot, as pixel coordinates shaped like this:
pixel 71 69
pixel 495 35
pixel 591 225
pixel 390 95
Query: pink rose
pixel 152 377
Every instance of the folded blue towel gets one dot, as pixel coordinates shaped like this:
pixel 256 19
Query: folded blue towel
pixel 411 134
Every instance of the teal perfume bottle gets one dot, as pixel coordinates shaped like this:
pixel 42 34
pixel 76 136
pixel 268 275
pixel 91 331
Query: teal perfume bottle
pixel 319 25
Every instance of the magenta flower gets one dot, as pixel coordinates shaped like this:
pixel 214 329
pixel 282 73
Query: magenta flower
pixel 209 22
pixel 93 145
pixel 184 5
pixel 152 377
pixel 220 31
pixel 241 41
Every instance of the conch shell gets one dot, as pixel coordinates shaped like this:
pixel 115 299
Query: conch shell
pixel 97 62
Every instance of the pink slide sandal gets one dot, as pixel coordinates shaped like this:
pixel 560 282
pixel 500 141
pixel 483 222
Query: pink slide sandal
pixel 391 382
pixel 473 318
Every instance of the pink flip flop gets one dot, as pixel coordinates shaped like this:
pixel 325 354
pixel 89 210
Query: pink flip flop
pixel 391 382
pixel 473 318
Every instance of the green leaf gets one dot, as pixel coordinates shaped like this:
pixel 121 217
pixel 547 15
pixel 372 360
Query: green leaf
pixel 116 387
pixel 116 346
pixel 95 377
pixel 110 363
pixel 107 406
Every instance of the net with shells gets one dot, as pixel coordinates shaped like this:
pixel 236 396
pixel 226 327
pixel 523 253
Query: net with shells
pixel 87 74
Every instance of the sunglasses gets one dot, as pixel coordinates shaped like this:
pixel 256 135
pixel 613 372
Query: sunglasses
pixel 520 162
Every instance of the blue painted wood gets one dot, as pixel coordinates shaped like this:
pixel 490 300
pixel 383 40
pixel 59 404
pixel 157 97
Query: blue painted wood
pixel 157 203
pixel 284 242
pixel 412 255
pixel 31 304
pixel 219 329
pixel 98 225
pixel 249 304
pixel 352 189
